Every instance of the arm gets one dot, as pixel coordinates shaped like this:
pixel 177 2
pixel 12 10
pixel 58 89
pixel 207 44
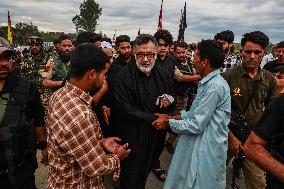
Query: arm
pixel 201 115
pixel 37 114
pixel 47 76
pixel 51 84
pixel 185 78
pixel 84 144
pixel 255 150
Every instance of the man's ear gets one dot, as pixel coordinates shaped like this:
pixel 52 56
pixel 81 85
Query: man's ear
pixel 92 73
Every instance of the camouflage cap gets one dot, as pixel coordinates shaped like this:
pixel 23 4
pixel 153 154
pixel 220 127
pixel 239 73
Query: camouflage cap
pixel 35 40
pixel 5 46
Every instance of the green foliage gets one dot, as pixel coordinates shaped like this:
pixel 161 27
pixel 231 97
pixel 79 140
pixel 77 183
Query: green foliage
pixel 22 31
pixel 87 20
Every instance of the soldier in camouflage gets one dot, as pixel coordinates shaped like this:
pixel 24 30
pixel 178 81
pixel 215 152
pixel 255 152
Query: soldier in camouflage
pixel 33 66
pixel 57 67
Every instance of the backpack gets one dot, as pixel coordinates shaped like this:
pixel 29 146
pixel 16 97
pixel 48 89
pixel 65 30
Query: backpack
pixel 17 137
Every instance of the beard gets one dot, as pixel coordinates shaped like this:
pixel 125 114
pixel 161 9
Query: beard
pixel 145 69
pixel 65 57
pixel 125 56
pixel 4 72
pixel 96 87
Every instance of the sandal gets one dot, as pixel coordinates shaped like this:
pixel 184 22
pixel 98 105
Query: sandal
pixel 161 174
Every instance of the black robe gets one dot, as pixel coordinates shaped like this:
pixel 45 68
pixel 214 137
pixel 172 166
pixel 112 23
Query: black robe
pixel 135 98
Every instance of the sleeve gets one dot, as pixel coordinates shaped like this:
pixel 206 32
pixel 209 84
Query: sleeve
pixel 196 123
pixel 123 97
pixel 84 144
pixel 48 70
pixel 269 123
pixel 36 107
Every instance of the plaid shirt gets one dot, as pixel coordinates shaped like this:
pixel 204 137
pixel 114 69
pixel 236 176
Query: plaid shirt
pixel 76 155
pixel 230 62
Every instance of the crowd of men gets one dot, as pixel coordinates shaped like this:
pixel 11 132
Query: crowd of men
pixel 94 109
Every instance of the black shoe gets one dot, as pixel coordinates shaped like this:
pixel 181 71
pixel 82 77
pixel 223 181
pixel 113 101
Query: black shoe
pixel 170 148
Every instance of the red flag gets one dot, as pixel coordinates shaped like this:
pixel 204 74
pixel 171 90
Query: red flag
pixel 160 26
pixel 10 30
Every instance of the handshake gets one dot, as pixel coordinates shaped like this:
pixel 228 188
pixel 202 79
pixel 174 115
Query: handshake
pixel 161 122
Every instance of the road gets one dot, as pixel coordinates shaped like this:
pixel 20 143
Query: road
pixel 152 182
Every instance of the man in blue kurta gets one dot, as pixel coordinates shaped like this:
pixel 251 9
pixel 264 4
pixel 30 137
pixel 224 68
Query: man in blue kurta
pixel 199 161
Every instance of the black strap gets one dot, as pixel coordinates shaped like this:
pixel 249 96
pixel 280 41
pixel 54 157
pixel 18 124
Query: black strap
pixel 255 85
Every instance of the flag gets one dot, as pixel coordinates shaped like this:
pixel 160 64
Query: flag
pixel 139 32
pixel 114 37
pixel 10 30
pixel 160 26
pixel 182 24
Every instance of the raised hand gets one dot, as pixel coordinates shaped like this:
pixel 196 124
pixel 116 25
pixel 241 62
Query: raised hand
pixel 111 144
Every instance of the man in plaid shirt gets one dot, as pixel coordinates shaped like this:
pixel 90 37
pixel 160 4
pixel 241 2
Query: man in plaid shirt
pixel 78 154
pixel 226 39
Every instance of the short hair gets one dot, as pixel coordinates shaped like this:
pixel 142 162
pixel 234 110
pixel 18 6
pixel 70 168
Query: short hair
pixel 87 37
pixel 122 38
pixel 227 36
pixel 63 37
pixel 192 46
pixel 165 35
pixel 56 41
pixel 87 56
pixel 180 44
pixel 144 39
pixel 257 37
pixel 106 39
pixel 212 51
pixel 280 44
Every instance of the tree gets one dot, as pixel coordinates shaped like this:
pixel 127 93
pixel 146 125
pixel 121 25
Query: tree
pixel 87 20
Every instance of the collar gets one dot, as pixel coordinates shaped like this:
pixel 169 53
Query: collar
pixel 259 75
pixel 210 76
pixel 79 92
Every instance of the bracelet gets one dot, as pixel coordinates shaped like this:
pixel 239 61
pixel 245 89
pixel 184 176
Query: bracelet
pixel 41 145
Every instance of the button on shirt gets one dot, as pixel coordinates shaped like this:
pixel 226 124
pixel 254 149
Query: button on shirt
pixel 200 156
pixel 76 155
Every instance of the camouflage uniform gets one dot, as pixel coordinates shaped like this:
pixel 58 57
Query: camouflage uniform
pixel 55 69
pixel 33 67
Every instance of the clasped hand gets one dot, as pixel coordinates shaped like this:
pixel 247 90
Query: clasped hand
pixel 162 121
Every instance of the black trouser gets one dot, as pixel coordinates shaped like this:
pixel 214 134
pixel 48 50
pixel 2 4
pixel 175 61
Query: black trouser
pixel 159 149
pixel 24 176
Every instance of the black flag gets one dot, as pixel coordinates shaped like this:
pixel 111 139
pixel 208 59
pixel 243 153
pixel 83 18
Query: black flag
pixel 182 24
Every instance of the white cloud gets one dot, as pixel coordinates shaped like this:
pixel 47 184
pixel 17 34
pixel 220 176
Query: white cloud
pixel 205 18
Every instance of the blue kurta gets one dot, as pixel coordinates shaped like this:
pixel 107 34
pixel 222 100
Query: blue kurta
pixel 199 160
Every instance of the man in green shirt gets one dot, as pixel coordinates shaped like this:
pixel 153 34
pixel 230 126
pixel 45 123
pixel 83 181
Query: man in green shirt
pixel 252 88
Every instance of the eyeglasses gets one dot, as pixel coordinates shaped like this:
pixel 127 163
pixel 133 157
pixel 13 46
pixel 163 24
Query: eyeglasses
pixel 142 55
pixel 256 52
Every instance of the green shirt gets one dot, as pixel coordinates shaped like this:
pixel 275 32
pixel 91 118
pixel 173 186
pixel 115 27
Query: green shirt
pixel 241 86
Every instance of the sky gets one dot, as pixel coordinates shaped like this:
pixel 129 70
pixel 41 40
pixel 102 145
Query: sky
pixel 205 18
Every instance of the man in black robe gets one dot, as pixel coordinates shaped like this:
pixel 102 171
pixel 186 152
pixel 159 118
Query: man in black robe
pixel 142 90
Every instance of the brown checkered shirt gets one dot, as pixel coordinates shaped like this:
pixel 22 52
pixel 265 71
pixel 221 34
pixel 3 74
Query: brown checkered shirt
pixel 76 155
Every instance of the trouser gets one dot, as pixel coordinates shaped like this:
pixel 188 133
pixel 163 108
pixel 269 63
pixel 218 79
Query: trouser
pixel 181 103
pixel 24 176
pixel 254 176
pixel 159 149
